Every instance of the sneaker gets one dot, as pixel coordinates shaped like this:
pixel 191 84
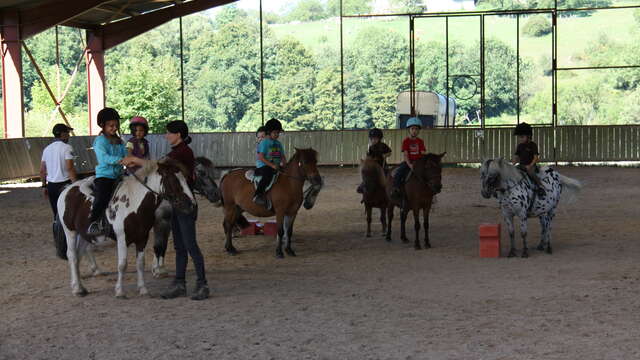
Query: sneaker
pixel 201 292
pixel 176 290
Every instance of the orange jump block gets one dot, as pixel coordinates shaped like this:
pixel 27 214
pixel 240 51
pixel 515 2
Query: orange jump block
pixel 252 229
pixel 489 240
pixel 270 228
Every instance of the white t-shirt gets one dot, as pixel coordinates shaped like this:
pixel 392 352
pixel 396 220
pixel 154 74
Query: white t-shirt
pixel 54 156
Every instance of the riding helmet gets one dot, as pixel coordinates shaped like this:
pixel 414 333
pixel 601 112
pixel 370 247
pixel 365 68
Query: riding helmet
pixel 414 121
pixel 107 114
pixel 59 129
pixel 272 125
pixel 523 129
pixel 138 121
pixel 375 133
pixel 260 129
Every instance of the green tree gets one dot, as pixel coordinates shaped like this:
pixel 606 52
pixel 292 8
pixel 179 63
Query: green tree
pixel 307 10
pixel 349 7
pixel 146 87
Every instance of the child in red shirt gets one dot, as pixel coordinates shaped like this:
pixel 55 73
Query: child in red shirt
pixel 413 148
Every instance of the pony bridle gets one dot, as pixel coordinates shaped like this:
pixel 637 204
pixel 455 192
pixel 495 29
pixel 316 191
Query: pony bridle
pixel 144 183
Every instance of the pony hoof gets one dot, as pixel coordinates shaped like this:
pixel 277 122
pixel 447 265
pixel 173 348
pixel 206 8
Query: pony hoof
pixel 540 247
pixel 512 253
pixel 290 252
pixel 427 245
pixel 81 293
pixel 417 247
pixel 143 291
pixel 405 240
pixel 232 251
pixel 121 296
pixel 549 251
pixel 367 235
pixel 387 238
pixel 525 254
pixel 279 256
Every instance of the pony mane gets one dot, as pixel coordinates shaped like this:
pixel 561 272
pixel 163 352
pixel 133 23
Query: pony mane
pixel 371 166
pixel 148 167
pixel 307 155
pixel 506 170
pixel 204 161
pixel 169 162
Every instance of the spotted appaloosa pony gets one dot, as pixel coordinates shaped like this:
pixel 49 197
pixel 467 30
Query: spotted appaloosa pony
pixel 131 213
pixel 423 184
pixel 516 194
pixel 374 195
pixel 286 196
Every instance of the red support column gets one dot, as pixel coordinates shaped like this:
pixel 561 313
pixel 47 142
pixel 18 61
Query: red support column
pixel 95 80
pixel 11 76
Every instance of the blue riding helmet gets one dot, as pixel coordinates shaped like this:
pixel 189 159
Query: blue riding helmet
pixel 414 121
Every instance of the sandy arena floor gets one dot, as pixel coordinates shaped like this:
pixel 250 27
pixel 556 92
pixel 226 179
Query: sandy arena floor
pixel 346 296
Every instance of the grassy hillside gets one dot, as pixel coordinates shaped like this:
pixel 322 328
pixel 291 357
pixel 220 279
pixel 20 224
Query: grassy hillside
pixel 574 33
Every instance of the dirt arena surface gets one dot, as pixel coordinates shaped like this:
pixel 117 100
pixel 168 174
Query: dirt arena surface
pixel 346 296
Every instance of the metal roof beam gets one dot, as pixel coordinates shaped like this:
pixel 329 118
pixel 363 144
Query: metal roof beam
pixel 118 32
pixel 55 12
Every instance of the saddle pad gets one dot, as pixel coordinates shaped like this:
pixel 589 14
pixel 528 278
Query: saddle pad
pixel 249 175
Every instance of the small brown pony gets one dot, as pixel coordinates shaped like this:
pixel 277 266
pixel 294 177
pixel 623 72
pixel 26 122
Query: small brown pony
pixel 286 196
pixel 423 184
pixel 374 194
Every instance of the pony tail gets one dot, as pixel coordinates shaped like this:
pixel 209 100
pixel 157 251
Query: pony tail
pixel 571 187
pixel 59 239
pixel 187 140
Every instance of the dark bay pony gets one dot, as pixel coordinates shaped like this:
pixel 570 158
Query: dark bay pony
pixel 422 185
pixel 374 191
pixel 131 213
pixel 286 196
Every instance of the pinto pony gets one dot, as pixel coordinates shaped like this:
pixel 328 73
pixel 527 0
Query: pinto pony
pixel 374 192
pixel 515 192
pixel 424 182
pixel 131 213
pixel 286 196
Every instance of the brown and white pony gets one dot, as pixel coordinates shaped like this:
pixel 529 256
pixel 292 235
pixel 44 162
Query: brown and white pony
pixel 131 213
pixel 286 196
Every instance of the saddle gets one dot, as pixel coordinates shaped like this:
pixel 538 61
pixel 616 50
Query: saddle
pixel 395 171
pixel 249 175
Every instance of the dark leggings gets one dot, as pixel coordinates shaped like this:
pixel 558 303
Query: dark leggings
pixel 267 174
pixel 183 227
pixel 401 174
pixel 103 190
pixel 54 189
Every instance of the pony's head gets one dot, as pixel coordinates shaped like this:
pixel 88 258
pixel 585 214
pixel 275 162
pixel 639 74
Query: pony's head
pixel 372 175
pixel 204 182
pixel 429 170
pixel 307 160
pixel 174 187
pixel 490 175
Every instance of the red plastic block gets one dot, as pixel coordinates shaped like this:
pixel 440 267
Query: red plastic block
pixel 489 240
pixel 252 229
pixel 270 228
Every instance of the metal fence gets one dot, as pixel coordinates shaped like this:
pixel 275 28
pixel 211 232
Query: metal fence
pixel 20 158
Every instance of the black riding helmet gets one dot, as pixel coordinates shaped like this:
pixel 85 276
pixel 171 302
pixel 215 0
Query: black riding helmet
pixel 376 133
pixel 107 114
pixel 272 125
pixel 261 128
pixel 523 129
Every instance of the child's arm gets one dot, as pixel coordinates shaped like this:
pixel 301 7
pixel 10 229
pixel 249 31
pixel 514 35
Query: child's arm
pixel 264 160
pixel 100 148
pixel 515 159
pixel 406 158
pixel 43 176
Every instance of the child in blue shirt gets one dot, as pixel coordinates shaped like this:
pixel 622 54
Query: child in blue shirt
pixel 270 157
pixel 109 151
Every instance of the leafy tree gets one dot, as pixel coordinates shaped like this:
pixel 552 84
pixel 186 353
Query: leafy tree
pixel 349 7
pixel 537 26
pixel 146 87
pixel 307 10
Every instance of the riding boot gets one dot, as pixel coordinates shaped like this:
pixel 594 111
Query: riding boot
pixel 201 292
pixel 177 289
pixel 396 194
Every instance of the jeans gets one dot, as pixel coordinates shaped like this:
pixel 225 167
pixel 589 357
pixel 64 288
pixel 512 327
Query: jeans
pixel 54 189
pixel 103 190
pixel 267 174
pixel 183 227
pixel 401 174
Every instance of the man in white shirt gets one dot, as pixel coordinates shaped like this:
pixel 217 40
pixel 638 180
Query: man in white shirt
pixel 56 169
